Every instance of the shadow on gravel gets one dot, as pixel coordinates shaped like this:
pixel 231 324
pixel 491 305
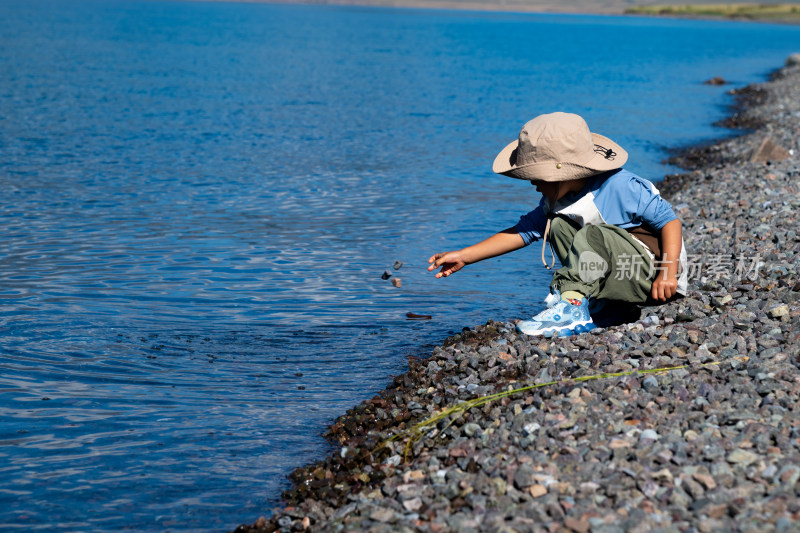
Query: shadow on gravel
pixel 616 313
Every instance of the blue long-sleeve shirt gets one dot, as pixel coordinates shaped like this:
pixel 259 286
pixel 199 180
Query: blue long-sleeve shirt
pixel 620 198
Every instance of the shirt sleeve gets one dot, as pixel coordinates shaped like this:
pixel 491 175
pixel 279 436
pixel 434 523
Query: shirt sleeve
pixel 652 209
pixel 627 201
pixel 531 226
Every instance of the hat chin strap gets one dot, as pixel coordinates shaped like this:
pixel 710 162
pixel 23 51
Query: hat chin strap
pixel 545 242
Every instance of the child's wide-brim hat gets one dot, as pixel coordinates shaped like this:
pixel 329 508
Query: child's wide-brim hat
pixel 558 147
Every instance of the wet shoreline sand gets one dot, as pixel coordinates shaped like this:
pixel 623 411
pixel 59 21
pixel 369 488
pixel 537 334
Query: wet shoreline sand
pixel 613 443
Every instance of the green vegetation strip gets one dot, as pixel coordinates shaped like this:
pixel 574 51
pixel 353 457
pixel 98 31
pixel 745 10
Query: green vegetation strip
pixel 749 11
pixel 418 430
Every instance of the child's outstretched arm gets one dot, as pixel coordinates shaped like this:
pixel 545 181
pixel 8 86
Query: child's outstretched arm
pixel 500 243
pixel 665 285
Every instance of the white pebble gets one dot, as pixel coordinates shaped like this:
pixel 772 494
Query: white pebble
pixel 394 460
pixel 649 434
pixel 531 428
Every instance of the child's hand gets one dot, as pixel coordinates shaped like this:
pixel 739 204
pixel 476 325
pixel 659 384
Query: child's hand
pixel 666 283
pixel 449 261
pixel 664 288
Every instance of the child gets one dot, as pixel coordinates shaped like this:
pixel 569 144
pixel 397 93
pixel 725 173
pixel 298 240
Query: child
pixel 616 238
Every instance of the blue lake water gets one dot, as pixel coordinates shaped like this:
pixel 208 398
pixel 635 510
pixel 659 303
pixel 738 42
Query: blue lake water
pixel 197 201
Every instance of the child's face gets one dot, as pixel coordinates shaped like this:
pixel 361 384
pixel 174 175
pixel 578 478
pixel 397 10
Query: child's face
pixel 548 189
pixel 554 191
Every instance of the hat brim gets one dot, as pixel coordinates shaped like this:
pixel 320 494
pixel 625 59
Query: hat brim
pixel 554 171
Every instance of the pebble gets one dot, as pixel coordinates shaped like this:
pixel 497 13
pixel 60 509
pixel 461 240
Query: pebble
pixel 537 490
pixel 705 480
pixel 650 383
pixel 779 311
pixel 471 428
pixel 576 525
pixel 789 476
pixel 414 504
pixel 530 429
pixel 649 434
pixel 382 514
pixel 652 320
pixel 739 456
pixel 524 476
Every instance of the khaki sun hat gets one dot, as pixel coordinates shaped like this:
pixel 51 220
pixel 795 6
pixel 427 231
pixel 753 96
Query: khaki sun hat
pixel 558 147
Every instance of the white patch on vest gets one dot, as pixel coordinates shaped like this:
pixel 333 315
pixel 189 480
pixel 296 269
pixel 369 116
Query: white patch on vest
pixel 584 211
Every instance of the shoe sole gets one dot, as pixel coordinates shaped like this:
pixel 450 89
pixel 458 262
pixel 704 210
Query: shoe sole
pixel 581 327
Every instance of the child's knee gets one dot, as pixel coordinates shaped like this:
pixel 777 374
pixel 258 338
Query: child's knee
pixel 594 238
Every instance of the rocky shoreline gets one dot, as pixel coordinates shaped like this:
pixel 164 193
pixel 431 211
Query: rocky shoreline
pixel 711 446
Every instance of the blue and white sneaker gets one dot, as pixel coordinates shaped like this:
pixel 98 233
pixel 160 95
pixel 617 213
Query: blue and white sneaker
pixel 564 318
pixel 553 298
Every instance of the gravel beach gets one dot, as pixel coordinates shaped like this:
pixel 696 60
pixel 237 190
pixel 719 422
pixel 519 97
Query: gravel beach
pixel 711 445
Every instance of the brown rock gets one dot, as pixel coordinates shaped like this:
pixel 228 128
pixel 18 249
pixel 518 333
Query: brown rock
pixel 618 443
pixel 537 490
pixel 768 150
pixel 716 80
pixel 382 514
pixel 705 480
pixel 413 475
pixel 507 357
pixel 663 474
pixel 458 452
pixel 579 526
pixel 716 510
